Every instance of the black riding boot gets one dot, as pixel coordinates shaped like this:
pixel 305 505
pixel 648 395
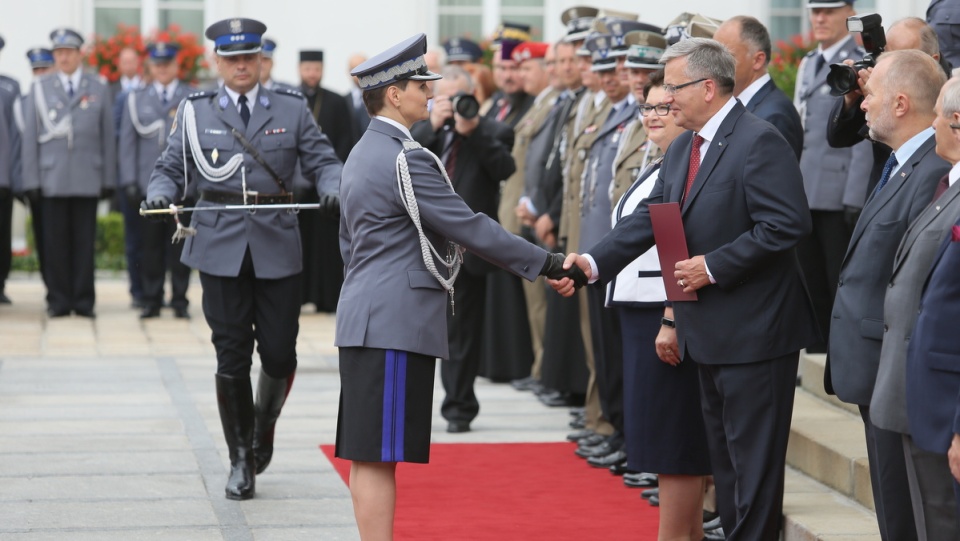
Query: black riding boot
pixel 235 399
pixel 271 394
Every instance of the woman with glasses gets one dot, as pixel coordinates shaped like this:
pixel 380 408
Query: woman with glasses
pixel 662 421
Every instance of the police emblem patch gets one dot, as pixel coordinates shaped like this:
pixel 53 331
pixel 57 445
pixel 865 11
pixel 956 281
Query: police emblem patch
pixel 236 26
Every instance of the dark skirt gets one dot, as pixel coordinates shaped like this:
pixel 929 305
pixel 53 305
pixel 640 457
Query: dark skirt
pixel 386 402
pixel 663 422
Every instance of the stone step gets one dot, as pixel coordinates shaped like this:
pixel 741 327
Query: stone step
pixel 813 511
pixel 812 366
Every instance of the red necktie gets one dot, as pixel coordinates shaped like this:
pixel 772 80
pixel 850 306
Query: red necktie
pixel 504 105
pixel 694 165
pixel 942 187
pixel 451 164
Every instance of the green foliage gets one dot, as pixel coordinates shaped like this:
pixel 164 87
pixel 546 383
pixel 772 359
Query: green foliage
pixel 786 60
pixel 110 253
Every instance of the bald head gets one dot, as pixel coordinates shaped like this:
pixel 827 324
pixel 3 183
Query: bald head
pixel 900 96
pixel 913 33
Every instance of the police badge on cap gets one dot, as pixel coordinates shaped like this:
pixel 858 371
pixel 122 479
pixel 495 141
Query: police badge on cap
pixel 236 36
pixel 402 61
pixel 65 38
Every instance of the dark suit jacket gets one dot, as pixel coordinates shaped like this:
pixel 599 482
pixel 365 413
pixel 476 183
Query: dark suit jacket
pixel 772 105
pixel 359 117
pixel 745 213
pixel 519 102
pixel 847 128
pixel 483 160
pixel 334 120
pixel 933 358
pixel 856 328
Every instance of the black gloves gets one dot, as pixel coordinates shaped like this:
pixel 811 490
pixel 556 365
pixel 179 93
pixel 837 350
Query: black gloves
pixel 160 202
pixel 553 269
pixel 330 205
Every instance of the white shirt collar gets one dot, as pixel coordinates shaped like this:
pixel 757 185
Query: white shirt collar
pixel 129 82
pixel 830 52
pixel 907 149
pixel 251 96
pixel 396 125
pixel 598 98
pixel 74 78
pixel 751 91
pixel 171 88
pixel 709 130
pixel 954 173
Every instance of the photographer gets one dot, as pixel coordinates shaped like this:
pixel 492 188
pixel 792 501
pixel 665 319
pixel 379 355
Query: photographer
pixel 476 154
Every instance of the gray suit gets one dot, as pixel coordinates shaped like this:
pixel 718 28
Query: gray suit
pixel 282 130
pixel 138 153
pixel 857 327
pixel 72 166
pixel 385 278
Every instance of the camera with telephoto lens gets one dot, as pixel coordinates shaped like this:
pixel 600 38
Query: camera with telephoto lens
pixel 842 78
pixel 464 105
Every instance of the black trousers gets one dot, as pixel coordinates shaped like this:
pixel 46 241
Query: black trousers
pixel 820 255
pixel 69 232
pixel 157 257
pixel 6 233
pixel 747 410
pixel 465 334
pixel 133 231
pixel 888 479
pixel 608 354
pixel 244 308
pixel 36 215
pixel 564 365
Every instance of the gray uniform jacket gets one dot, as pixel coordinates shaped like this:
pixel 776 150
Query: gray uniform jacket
pixel 911 266
pixel 833 178
pixel 856 327
pixel 389 299
pixel 138 153
pixel 10 176
pixel 83 164
pixel 282 131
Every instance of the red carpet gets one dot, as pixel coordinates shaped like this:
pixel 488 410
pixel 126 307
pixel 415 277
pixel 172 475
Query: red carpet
pixel 520 491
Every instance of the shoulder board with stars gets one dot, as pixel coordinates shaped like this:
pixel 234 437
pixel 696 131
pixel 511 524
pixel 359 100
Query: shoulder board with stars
pixel 201 94
pixel 289 92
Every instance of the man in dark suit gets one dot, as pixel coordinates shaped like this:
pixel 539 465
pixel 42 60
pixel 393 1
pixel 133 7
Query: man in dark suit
pixel 899 105
pixel 358 113
pixel 744 211
pixel 749 42
pixel 931 487
pixel 322 264
pixel 476 152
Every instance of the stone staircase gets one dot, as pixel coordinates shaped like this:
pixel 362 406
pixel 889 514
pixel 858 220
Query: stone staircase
pixel 828 495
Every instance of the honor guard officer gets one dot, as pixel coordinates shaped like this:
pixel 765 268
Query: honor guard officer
pixel 9 175
pixel 41 60
pixel 462 51
pixel 70 156
pixel 239 145
pixel 145 119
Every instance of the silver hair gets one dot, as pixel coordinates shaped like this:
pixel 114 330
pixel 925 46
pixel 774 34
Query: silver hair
pixel 916 74
pixel 454 73
pixel 706 59
pixel 951 98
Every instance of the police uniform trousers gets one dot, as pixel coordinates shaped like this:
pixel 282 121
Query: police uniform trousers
pixel 507 348
pixel 386 403
pixel 159 256
pixel 564 366
pixel 36 223
pixel 244 308
pixel 6 234
pixel 821 255
pixel 133 231
pixel 465 335
pixel 608 355
pixel 69 233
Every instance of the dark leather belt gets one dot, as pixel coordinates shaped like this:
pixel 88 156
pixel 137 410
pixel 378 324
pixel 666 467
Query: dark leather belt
pixel 233 198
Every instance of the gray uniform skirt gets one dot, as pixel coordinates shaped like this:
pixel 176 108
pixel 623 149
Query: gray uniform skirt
pixel 386 404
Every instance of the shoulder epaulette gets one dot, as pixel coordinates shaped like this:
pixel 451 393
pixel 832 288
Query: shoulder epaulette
pixel 201 94
pixel 811 53
pixel 289 92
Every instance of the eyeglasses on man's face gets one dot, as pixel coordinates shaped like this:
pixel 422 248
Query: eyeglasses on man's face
pixel 662 109
pixel 673 89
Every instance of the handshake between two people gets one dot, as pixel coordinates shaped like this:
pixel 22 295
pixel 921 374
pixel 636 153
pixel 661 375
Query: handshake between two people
pixel 566 274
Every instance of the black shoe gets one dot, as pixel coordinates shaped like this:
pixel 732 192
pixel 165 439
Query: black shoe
pixel 620 469
pixel 525 384
pixel 603 449
pixel 181 313
pixel 88 313
pixel 4 299
pixel 235 401
pixel 654 500
pixel 616 457
pixel 456 427
pixel 578 411
pixel 558 400
pixel 713 523
pixel 57 312
pixel 580 434
pixel 271 395
pixel 647 494
pixel 137 304
pixel 149 312
pixel 592 441
pixel 640 480
pixel 577 423
pixel 714 535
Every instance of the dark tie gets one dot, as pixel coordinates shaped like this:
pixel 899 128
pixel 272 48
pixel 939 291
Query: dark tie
pixel 820 62
pixel 70 88
pixel 244 110
pixel 164 100
pixel 887 169
pixel 941 187
pixel 451 162
pixel 694 165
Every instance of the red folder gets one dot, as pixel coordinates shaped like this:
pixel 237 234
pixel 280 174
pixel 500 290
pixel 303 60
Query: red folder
pixel 671 247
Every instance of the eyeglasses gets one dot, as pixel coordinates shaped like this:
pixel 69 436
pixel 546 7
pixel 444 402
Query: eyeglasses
pixel 662 109
pixel 673 89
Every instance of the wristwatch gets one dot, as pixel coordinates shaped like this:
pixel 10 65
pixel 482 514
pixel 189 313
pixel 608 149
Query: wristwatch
pixel 667 322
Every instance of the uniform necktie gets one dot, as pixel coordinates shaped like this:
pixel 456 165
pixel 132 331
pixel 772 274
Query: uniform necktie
pixel 244 110
pixel 887 169
pixel 941 187
pixel 70 88
pixel 163 97
pixel 694 165
pixel 820 62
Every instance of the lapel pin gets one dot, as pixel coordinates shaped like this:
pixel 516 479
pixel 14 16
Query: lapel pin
pixel 264 101
pixel 223 102
pixel 214 155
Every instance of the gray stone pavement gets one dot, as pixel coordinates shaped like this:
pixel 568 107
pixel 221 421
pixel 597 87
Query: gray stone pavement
pixel 109 429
